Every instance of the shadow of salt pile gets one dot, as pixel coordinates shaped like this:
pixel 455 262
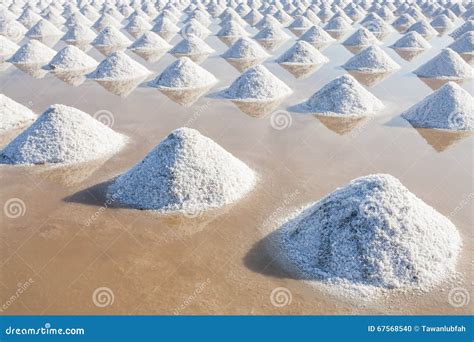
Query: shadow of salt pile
pixel 184 224
pixel 440 140
pixel 369 79
pixel 121 88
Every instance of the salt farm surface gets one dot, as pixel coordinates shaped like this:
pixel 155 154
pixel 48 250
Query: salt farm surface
pixel 213 263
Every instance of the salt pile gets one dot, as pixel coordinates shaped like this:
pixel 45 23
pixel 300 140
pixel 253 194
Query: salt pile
pixel 42 29
pixel 110 36
pixel 33 52
pixel 71 58
pixel 79 34
pixel 186 172
pixel 271 33
pixel 302 53
pixel 12 29
pixel 195 28
pixel 118 67
pixel 441 22
pixel 449 107
pixel 371 59
pixel 300 23
pixel 29 18
pixel 361 37
pixel 466 27
pixel 446 65
pixel 191 45
pixel 232 29
pixel 165 26
pixel 138 25
pixel 13 115
pixel 338 24
pixel 106 20
pixel 370 236
pixel 317 36
pixel 63 135
pixel 245 48
pixel 464 44
pixel 149 41
pixel 423 28
pixel 257 84
pixel 411 41
pixel 7 48
pixel 184 74
pixel 343 96
pixel 404 21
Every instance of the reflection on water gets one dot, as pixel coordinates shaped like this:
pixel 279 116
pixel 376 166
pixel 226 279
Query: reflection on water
pixel 199 58
pixel 257 109
pixel 242 64
pixel 408 55
pixel 34 70
pixel 228 40
pixel 435 83
pixel 73 78
pixel 150 56
pixel 337 35
pixel 301 71
pixel 121 88
pixel 355 49
pixel 369 79
pixel 298 32
pixel 440 140
pixel 271 45
pixel 340 125
pixel 185 97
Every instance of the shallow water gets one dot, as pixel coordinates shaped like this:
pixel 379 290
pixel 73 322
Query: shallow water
pixel 70 242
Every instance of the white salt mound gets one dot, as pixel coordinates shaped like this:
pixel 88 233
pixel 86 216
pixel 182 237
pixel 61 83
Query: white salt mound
pixel 466 27
pixel 271 32
pixel 449 107
pixel 316 35
pixel 111 36
pixel 43 28
pixel 13 115
pixel 423 28
pixel 361 37
pixel 411 41
pixel 343 96
pixel 245 48
pixel 464 44
pixel 186 172
pixel 192 45
pixel 184 74
pixel 79 34
pixel 371 59
pixel 257 84
pixel 118 67
pixel 302 53
pixel 33 52
pixel 64 135
pixel 7 47
pixel 338 24
pixel 149 41
pixel 446 65
pixel 372 233
pixel 232 29
pixel 71 58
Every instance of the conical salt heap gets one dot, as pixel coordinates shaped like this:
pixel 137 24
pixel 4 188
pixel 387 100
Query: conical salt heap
pixel 423 28
pixel 302 53
pixel 271 32
pixel 12 29
pixel 257 84
pixel 300 23
pixel 338 24
pixel 403 22
pixel 191 45
pixel 361 37
pixel 138 25
pixel 449 107
pixel 371 59
pixel 232 29
pixel 7 48
pixel 29 18
pixel 164 26
pixel 186 172
pixel 13 115
pixel 195 28
pixel 118 67
pixel 245 48
pixel 371 235
pixel 79 34
pixel 42 29
pixel 63 135
pixel 411 41
pixel 71 58
pixel 150 41
pixel 441 22
pixel 183 74
pixel 464 44
pixel 33 52
pixel 317 36
pixel 343 96
pixel 446 65
pixel 106 20
pixel 466 27
pixel 110 36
